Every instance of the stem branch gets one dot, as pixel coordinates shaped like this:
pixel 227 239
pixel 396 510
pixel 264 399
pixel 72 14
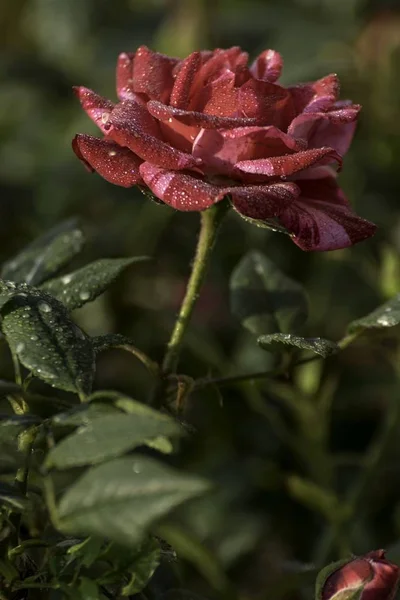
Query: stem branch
pixel 210 221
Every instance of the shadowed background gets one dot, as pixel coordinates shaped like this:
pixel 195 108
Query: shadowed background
pixel 46 47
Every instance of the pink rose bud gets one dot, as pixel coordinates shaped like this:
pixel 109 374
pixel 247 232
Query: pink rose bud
pixel 368 577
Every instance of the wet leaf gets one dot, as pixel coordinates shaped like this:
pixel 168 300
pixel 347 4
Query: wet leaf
pixel 79 287
pixel 111 435
pixel 120 499
pixel 41 334
pixel 276 341
pixel 264 298
pixel 387 315
pixel 46 255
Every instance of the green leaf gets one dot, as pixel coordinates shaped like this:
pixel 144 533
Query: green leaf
pixel 12 498
pixel 143 567
pixel 275 341
pixel 87 552
pixel 121 498
pixel 79 287
pixel 10 458
pixel 264 299
pixel 46 255
pixel 83 414
pixel 387 315
pixel 41 334
pixel 110 436
pixel 12 425
pixel 190 548
pixel 88 589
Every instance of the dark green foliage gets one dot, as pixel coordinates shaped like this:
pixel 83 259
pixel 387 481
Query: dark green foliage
pixel 264 299
pixel 276 341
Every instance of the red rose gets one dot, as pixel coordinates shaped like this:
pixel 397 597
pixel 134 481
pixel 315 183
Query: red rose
pixel 209 126
pixel 377 577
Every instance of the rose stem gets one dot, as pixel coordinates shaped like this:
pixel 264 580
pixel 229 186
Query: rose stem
pixel 210 222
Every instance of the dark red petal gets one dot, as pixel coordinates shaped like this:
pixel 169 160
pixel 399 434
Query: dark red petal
pixel 125 79
pixel 334 128
pixel 317 96
pixel 178 135
pixel 152 74
pixel 262 202
pixel 324 188
pixel 283 166
pixel 181 190
pixel 97 107
pixel 180 95
pixel 219 97
pixel 351 575
pixel 133 127
pixel 385 582
pixel 321 218
pixel 117 165
pixel 222 150
pixel 267 66
pixel 268 103
pixel 163 112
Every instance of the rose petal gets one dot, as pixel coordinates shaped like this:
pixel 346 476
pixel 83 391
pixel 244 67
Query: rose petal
pixel 267 66
pixel 283 166
pixel 267 102
pixel 117 165
pixel 262 202
pixel 179 135
pixel 219 62
pixel 180 95
pixel 219 97
pixel 131 125
pixel 152 74
pixel 321 218
pixel 334 128
pixel 97 107
pixel 162 112
pixel 222 150
pixel 181 190
pixel 317 96
pixel 125 79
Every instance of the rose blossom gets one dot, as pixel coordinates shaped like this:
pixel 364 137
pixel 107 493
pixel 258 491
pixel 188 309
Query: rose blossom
pixel 196 130
pixel 372 572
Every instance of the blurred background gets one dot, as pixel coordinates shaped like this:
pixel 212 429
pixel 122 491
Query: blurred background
pixel 262 529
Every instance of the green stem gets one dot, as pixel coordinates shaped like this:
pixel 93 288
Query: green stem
pixel 210 221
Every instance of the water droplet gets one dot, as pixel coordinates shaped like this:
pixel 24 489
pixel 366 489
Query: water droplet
pixel 34 338
pixel 44 307
pixel 112 153
pixel 66 279
pixel 136 468
pixel 84 295
pixel 19 347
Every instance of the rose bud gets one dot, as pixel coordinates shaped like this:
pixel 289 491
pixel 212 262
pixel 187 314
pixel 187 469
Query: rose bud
pixel 214 126
pixel 368 577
